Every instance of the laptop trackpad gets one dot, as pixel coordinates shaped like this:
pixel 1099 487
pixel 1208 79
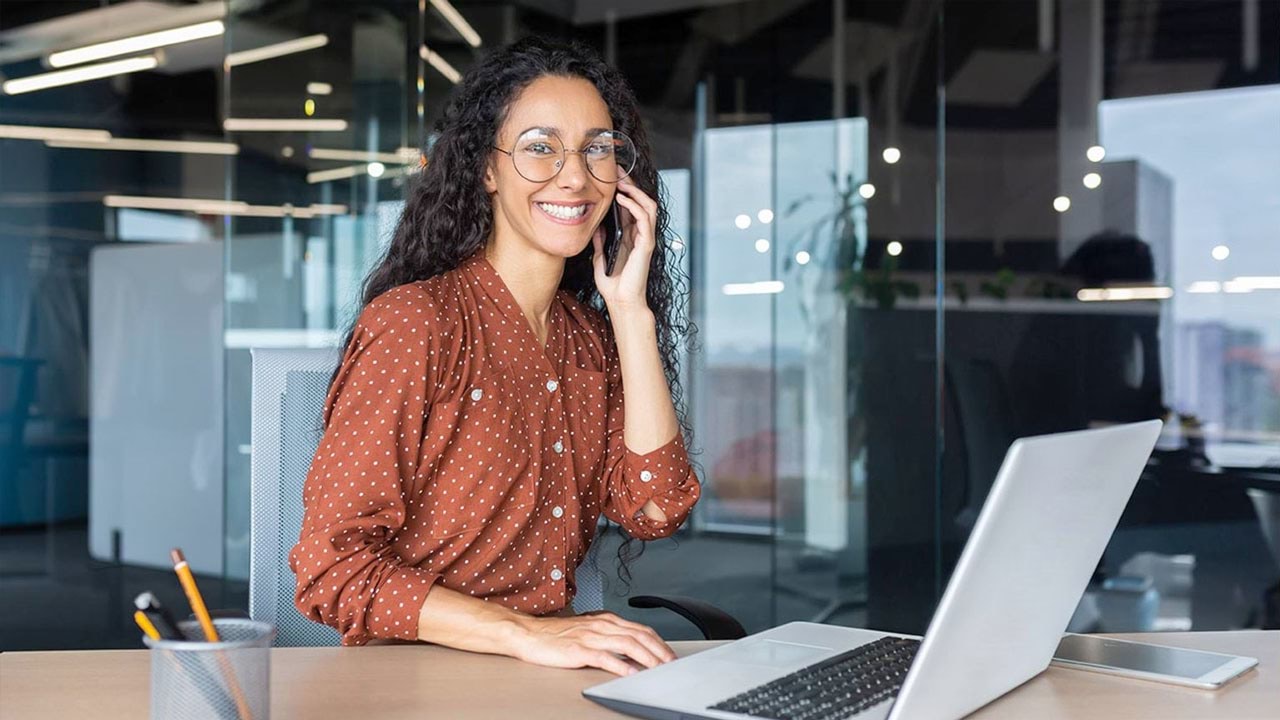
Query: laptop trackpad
pixel 779 654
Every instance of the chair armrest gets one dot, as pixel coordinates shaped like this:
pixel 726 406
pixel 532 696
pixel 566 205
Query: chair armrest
pixel 711 621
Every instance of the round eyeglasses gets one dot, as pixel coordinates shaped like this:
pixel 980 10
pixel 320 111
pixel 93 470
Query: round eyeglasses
pixel 539 155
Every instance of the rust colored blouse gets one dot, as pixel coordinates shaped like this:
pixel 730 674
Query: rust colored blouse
pixel 456 450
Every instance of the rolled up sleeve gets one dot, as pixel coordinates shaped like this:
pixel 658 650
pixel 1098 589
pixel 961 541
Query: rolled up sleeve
pixel 632 479
pixel 349 575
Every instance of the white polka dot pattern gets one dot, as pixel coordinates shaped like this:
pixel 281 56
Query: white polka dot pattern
pixel 458 450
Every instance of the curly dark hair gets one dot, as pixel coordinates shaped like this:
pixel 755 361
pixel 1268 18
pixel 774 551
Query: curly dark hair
pixel 448 215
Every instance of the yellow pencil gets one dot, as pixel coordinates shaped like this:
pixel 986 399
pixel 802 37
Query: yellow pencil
pixel 193 595
pixel 145 623
pixel 206 623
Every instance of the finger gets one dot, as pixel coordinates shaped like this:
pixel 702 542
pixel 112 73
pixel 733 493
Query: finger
pixel 625 645
pixel 647 635
pixel 643 237
pixel 648 639
pixel 608 661
pixel 634 192
pixel 597 257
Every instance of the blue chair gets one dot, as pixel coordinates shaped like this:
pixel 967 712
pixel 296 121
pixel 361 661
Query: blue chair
pixel 289 389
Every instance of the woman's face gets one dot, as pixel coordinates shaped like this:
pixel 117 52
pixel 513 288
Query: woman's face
pixel 557 216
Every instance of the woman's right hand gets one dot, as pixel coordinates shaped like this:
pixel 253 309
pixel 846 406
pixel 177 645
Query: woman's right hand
pixel 590 640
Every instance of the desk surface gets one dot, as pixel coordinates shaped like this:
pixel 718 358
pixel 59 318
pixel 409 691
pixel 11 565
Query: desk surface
pixel 415 681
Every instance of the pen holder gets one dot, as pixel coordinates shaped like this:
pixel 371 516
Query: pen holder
pixel 226 680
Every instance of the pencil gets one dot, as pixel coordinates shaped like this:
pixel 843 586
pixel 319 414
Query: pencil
pixel 193 595
pixel 206 623
pixel 146 625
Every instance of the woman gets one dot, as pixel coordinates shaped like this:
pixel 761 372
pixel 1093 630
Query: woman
pixel 476 428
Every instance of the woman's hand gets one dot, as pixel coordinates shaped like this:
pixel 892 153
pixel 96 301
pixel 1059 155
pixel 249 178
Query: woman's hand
pixel 624 290
pixel 590 640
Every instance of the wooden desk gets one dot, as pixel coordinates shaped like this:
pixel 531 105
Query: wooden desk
pixel 407 681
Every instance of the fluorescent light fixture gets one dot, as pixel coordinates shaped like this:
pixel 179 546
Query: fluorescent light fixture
pixel 395 158
pixel 190 147
pixel 341 173
pixel 458 22
pixel 440 64
pixel 36 132
pixel 319 88
pixel 1124 293
pixel 58 78
pixel 764 287
pixel 283 125
pixel 136 43
pixel 1204 286
pixel 221 207
pixel 267 52
pixel 375 170
pixel 1259 282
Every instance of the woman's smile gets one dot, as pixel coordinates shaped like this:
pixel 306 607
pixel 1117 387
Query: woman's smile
pixel 565 213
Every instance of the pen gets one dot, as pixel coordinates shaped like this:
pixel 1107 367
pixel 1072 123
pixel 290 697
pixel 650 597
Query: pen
pixel 158 616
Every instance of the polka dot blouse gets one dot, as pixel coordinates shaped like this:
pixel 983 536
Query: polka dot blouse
pixel 456 450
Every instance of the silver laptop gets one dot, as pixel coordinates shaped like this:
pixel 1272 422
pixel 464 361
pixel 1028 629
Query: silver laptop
pixel 1050 513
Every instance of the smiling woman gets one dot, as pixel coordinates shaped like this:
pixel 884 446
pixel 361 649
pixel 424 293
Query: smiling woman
pixel 475 430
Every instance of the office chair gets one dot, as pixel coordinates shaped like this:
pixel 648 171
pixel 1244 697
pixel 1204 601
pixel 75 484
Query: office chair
pixel 289 389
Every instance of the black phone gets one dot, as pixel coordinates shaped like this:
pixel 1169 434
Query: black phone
pixel 612 235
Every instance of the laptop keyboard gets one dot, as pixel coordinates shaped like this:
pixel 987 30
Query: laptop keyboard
pixel 837 687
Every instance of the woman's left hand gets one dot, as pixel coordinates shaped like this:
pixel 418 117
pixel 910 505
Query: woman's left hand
pixel 624 290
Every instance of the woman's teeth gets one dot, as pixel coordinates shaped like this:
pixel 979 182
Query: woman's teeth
pixel 563 212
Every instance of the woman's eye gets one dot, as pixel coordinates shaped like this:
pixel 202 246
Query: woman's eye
pixel 539 149
pixel 599 149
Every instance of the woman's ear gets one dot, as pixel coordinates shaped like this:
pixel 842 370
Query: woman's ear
pixel 490 179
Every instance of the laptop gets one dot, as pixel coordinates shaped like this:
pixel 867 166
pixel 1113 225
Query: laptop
pixel 1037 541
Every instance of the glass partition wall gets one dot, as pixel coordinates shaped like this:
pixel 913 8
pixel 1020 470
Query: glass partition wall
pixel 912 231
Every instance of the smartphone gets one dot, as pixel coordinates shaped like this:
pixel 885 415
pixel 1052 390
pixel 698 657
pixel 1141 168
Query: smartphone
pixel 1161 663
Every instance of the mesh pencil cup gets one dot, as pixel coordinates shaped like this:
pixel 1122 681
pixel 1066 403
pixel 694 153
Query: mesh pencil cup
pixel 226 680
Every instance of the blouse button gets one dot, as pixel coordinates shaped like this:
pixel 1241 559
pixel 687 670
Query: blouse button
pixel 557 511
pixel 477 394
pixel 645 476
pixel 556 574
pixel 552 385
pixel 559 448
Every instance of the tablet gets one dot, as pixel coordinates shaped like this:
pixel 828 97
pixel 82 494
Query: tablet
pixel 1145 661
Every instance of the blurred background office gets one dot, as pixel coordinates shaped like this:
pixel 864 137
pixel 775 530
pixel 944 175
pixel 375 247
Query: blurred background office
pixel 915 230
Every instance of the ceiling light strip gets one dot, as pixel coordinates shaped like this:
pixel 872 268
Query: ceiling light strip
pixel 283 125
pixel 267 52
pixel 84 73
pixel 459 23
pixel 136 43
pixel 191 147
pixel 36 132
pixel 440 64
